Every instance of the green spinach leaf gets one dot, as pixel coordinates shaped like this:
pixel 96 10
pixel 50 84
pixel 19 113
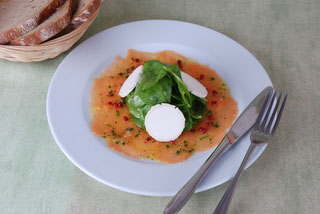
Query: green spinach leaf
pixel 137 108
pixel 174 71
pixel 153 71
pixel 158 93
pixel 198 108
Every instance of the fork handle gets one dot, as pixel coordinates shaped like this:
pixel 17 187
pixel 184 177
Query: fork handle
pixel 225 202
pixel 181 198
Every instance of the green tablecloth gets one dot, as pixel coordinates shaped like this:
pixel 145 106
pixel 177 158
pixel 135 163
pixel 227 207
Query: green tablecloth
pixel 35 177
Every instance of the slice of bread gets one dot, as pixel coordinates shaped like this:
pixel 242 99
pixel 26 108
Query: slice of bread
pixel 50 27
pixel 21 16
pixel 86 9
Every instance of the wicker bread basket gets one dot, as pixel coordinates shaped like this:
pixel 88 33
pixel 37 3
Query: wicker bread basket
pixel 48 49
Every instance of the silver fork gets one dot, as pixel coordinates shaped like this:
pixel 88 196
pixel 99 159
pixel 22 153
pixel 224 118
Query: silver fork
pixel 262 133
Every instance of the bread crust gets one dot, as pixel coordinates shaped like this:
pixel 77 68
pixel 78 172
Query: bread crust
pixel 85 14
pixel 49 30
pixel 30 23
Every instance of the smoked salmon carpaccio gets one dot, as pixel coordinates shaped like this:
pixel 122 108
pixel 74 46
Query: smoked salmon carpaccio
pixel 111 118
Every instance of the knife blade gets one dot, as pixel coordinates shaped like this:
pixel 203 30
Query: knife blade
pixel 240 127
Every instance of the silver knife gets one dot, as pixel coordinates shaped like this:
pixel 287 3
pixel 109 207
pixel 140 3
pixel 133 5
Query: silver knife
pixel 239 128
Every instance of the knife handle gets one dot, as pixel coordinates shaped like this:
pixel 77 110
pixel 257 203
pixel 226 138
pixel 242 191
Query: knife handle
pixel 184 194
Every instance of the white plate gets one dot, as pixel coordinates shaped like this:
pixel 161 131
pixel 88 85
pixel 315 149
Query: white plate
pixel 69 98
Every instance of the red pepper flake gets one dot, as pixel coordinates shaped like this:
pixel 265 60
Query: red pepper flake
pixel 207 124
pixel 120 104
pixel 203 130
pixel 137 60
pixel 125 118
pixel 202 76
pixel 172 142
pixel 211 117
pixel 214 103
pixel 192 130
pixel 179 63
pixel 132 68
pixel 110 103
pixel 214 92
pixel 100 94
pixel 147 139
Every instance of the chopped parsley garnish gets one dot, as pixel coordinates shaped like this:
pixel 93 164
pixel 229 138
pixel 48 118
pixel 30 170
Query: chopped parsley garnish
pixel 185 143
pixel 204 137
pixel 191 150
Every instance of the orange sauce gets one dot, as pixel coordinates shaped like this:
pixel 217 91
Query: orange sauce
pixel 111 118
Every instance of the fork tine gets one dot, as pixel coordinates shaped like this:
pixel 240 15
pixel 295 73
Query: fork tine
pixel 269 110
pixel 268 128
pixel 263 109
pixel 279 115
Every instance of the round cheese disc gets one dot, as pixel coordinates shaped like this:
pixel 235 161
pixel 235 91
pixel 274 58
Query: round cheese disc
pixel 194 86
pixel 131 82
pixel 164 122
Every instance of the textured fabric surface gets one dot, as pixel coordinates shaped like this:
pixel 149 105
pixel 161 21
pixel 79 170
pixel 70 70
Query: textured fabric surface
pixel 35 177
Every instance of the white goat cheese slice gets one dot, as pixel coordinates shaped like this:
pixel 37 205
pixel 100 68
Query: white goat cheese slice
pixel 194 86
pixel 164 122
pixel 131 82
